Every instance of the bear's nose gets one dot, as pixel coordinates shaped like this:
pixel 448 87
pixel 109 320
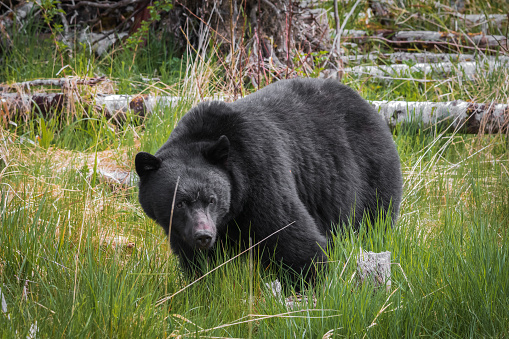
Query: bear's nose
pixel 203 240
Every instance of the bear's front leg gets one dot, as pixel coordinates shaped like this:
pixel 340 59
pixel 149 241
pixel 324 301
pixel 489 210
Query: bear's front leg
pixel 303 253
pixel 300 247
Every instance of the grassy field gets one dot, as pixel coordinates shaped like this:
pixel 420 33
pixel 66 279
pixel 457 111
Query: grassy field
pixel 79 258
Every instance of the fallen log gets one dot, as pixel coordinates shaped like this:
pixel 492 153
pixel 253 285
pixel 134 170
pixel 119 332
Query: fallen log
pixel 431 38
pixel 472 20
pixel 425 57
pixel 21 105
pixel 468 21
pixel 469 70
pixel 467 116
pixel 62 82
pixel 137 104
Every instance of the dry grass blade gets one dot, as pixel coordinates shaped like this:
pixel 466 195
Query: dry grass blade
pixel 404 275
pixel 384 307
pixel 77 259
pixel 173 207
pixel 346 264
pixel 259 317
pixel 163 300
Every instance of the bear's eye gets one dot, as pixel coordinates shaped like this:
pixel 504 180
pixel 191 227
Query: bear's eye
pixel 212 200
pixel 180 204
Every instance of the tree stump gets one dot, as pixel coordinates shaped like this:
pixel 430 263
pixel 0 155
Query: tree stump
pixel 375 268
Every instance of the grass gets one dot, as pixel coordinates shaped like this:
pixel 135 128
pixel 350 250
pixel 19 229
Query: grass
pixel 79 258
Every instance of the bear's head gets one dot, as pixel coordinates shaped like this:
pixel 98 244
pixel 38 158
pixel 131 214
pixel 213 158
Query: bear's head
pixel 194 182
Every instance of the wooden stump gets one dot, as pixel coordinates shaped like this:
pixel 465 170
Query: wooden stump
pixel 375 268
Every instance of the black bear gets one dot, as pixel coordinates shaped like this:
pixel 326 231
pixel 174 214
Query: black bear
pixel 307 151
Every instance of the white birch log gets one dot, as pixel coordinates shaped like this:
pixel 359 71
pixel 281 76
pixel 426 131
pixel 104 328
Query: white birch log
pixel 115 106
pixel 490 118
pixel 469 70
pixel 425 57
pixel 138 104
pixel 469 117
pixel 479 40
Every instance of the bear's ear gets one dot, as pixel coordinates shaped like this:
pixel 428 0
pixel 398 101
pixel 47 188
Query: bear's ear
pixel 146 162
pixel 217 153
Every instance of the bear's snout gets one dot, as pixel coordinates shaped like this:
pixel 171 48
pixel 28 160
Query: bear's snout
pixel 204 233
pixel 203 239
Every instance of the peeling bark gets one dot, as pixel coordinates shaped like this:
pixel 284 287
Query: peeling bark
pixel 22 105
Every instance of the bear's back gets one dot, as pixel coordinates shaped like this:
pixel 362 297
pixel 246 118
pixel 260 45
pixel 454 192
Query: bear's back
pixel 342 152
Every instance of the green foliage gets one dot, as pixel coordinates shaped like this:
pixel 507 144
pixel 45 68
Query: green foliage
pixel 46 132
pixel 49 11
pixel 140 35
pixel 319 61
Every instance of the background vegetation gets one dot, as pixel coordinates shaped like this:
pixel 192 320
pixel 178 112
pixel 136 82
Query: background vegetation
pixel 79 258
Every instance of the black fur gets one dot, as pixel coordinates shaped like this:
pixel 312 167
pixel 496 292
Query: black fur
pixel 305 150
